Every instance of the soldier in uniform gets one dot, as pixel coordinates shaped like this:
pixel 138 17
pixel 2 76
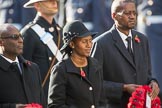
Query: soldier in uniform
pixel 42 37
pixel 12 11
pixel 150 23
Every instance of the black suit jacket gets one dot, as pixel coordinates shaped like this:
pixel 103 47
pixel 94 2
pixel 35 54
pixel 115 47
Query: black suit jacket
pixel 118 66
pixel 16 88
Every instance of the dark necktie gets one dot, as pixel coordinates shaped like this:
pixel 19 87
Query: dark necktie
pixel 15 67
pixel 129 47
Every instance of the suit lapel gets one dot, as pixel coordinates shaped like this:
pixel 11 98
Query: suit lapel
pixel 136 49
pixel 25 72
pixel 121 47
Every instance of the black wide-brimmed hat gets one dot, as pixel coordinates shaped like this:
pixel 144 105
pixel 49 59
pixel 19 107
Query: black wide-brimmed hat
pixel 75 29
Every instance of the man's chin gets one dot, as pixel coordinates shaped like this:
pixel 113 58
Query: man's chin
pixel 53 11
pixel 20 53
pixel 131 26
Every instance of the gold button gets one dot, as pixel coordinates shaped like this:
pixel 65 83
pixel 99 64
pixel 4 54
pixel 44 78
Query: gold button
pixel 90 88
pixel 50 58
pixel 80 10
pixel 92 106
pixel 150 2
pixel 51 29
pixel 11 11
pixel 149 12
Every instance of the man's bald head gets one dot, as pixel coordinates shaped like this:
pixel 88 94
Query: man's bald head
pixel 7 29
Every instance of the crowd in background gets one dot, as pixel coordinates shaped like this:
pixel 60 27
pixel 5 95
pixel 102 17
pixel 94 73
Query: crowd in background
pixel 12 11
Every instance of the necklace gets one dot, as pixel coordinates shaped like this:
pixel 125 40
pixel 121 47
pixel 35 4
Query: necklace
pixel 79 62
pixel 82 73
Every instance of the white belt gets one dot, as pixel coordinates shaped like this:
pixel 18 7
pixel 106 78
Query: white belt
pixel 89 25
pixel 47 39
pixel 155 19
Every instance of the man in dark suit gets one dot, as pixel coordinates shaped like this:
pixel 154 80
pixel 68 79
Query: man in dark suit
pixel 126 66
pixel 20 81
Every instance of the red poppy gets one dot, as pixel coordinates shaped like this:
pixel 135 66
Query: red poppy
pixel 82 73
pixel 138 98
pixel 156 103
pixel 28 63
pixel 137 39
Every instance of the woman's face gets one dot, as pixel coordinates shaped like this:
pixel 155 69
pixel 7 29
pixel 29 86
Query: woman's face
pixel 81 46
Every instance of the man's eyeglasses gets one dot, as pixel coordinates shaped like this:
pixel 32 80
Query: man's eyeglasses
pixel 14 37
pixel 127 13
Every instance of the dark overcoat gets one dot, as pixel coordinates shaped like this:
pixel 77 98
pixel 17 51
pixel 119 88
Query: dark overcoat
pixel 118 66
pixel 68 89
pixel 16 88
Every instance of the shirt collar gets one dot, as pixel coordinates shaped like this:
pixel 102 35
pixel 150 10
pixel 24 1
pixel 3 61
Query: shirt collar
pixel 43 22
pixel 9 60
pixel 123 36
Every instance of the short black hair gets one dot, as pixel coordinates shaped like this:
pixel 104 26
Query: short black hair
pixel 117 5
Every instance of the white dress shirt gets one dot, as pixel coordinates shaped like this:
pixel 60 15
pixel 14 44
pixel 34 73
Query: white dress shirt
pixel 11 61
pixel 124 37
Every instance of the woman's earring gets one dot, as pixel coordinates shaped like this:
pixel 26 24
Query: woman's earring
pixel 72 45
pixel 1 49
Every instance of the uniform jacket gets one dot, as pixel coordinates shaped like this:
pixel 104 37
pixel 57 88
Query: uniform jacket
pixel 35 50
pixel 68 89
pixel 118 66
pixel 19 88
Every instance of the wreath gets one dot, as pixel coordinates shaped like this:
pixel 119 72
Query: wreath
pixel 138 98
pixel 33 105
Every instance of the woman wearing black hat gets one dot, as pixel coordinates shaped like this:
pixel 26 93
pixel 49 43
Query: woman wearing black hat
pixel 76 82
